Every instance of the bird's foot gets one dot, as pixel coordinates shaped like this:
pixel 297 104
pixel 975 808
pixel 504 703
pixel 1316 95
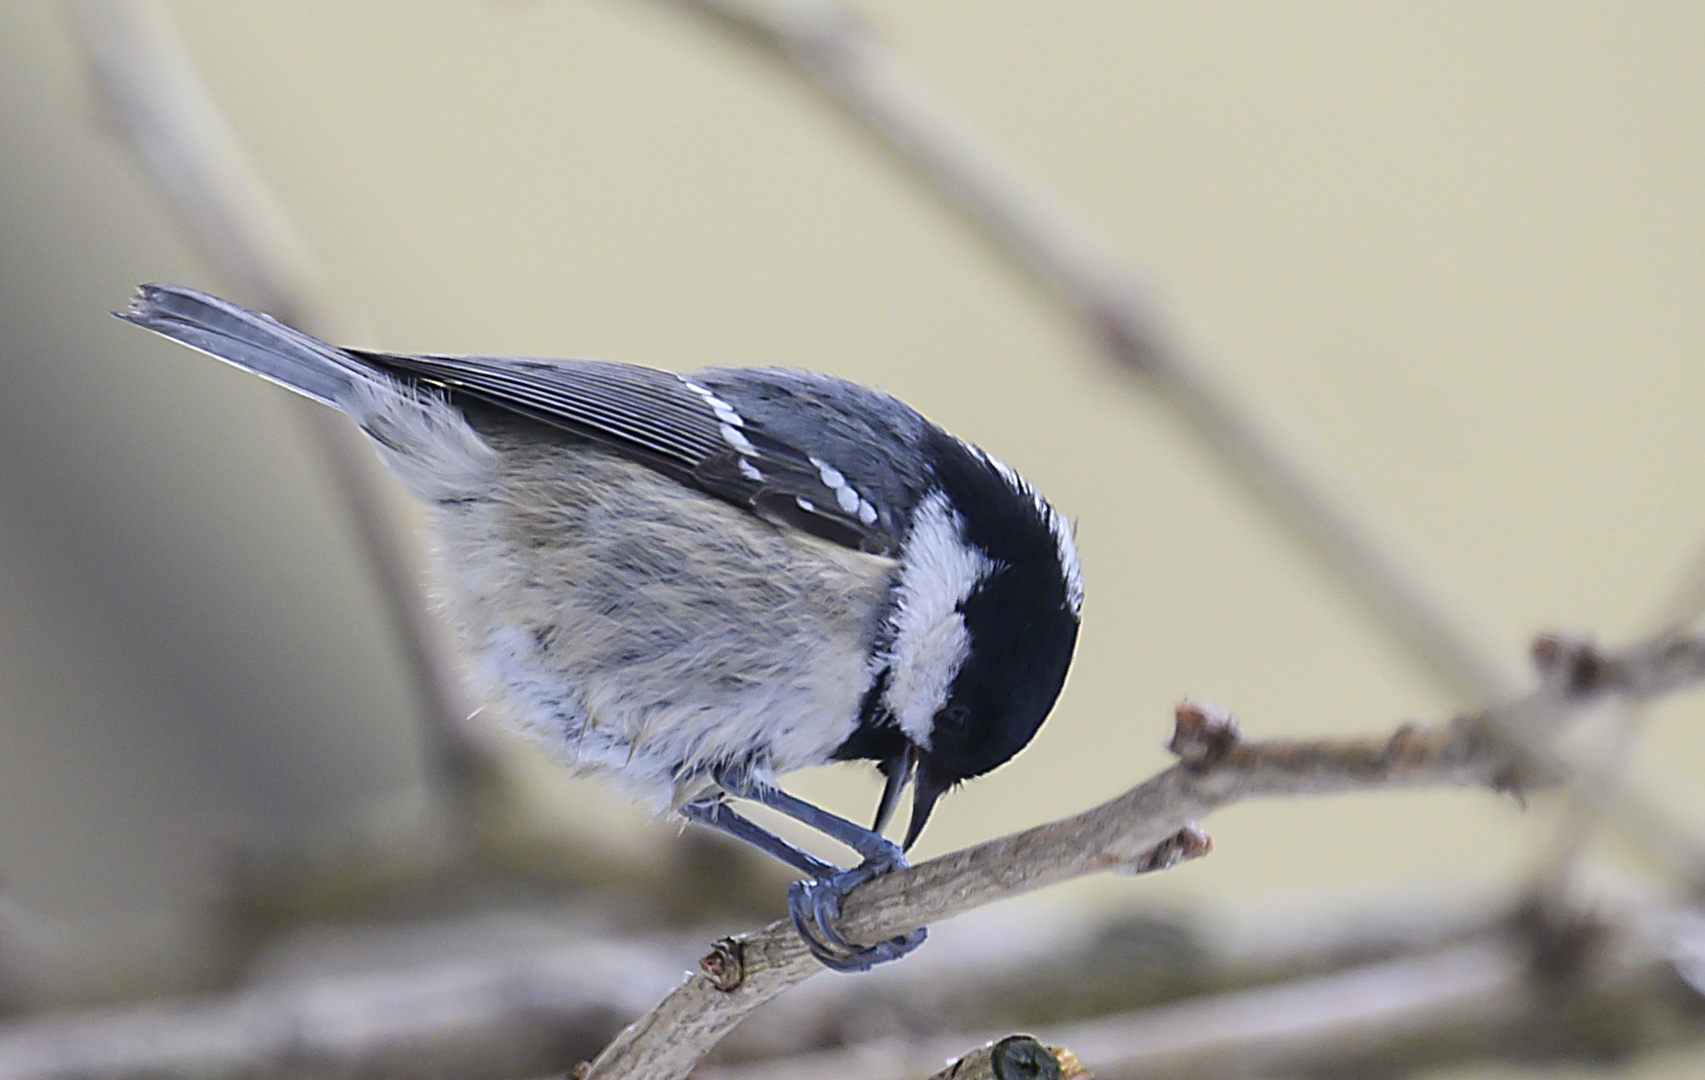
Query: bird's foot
pixel 815 906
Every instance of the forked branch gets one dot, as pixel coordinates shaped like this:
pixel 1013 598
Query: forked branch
pixel 1150 826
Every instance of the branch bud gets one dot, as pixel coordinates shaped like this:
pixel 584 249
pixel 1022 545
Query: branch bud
pixel 1202 734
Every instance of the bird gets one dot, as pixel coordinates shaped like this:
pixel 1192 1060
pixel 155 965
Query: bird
pixel 697 583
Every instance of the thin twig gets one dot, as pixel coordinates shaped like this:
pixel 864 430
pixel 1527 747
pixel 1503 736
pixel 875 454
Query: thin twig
pixel 821 42
pixel 828 47
pixel 1599 775
pixel 1583 806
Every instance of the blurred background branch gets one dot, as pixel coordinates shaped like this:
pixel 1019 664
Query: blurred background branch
pixel 149 83
pixel 497 824
pixel 836 53
pixel 501 928
pixel 832 49
pixel 1477 1001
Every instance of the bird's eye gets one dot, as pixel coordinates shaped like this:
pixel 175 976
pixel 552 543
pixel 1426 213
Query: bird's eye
pixel 955 717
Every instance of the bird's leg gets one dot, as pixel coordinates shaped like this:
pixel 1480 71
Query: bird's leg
pixel 873 847
pixel 815 904
pixel 717 814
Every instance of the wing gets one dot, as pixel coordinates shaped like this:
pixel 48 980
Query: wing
pixel 670 423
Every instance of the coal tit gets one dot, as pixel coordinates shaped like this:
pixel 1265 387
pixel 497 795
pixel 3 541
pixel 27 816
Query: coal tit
pixel 696 583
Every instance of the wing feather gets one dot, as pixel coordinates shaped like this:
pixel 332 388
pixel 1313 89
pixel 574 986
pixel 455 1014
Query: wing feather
pixel 660 420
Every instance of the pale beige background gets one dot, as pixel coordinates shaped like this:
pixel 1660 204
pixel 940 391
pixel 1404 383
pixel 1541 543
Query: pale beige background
pixel 1460 244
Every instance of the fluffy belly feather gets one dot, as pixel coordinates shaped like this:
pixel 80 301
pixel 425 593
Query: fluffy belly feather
pixel 638 628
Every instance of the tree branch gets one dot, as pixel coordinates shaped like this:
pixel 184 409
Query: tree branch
pixel 1216 768
pixel 742 973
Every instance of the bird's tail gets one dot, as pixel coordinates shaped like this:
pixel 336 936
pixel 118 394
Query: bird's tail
pixel 249 340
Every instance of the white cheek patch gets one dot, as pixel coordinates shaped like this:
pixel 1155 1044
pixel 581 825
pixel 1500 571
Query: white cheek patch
pixel 923 673
pixel 930 641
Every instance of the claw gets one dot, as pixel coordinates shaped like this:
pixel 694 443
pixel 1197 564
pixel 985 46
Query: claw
pixel 815 907
pixel 815 903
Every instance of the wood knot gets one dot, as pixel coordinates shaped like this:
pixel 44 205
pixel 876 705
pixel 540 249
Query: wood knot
pixel 1190 842
pixel 725 964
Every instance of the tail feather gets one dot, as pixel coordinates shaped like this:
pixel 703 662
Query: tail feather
pixel 249 340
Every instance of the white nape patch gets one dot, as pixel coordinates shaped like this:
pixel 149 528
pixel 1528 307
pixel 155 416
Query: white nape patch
pixel 930 641
pixel 1057 525
pixel 750 471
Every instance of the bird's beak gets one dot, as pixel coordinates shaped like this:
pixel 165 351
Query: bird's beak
pixel 925 791
pixel 899 772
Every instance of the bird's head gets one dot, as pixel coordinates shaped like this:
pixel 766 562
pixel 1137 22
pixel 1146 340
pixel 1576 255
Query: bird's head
pixel 983 627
